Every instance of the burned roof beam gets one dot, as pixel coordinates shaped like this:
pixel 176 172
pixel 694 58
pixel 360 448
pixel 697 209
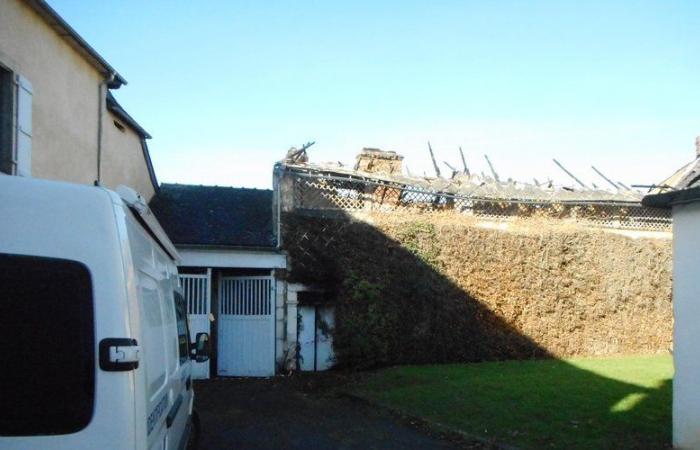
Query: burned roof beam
pixel 570 174
pixel 611 182
pixel 454 171
pixel 432 157
pixel 493 171
pixel 624 186
pixel 464 162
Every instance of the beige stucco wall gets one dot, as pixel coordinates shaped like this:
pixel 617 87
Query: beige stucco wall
pixel 123 161
pixel 65 105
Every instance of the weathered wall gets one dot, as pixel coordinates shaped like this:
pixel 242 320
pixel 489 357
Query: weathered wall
pixel 419 288
pixel 65 106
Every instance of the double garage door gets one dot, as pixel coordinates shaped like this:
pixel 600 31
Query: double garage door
pixel 245 323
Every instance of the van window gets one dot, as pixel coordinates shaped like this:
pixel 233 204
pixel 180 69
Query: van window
pixel 46 327
pixel 183 333
pixel 154 346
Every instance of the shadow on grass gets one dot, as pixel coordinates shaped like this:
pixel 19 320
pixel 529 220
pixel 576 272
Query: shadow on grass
pixel 395 307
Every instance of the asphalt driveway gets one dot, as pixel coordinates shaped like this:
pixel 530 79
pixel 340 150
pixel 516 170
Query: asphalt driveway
pixel 282 413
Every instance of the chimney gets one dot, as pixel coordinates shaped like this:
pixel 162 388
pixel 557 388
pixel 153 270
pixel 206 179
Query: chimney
pixel 374 160
pixel 697 147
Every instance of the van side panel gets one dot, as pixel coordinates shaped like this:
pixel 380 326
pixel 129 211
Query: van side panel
pixel 160 381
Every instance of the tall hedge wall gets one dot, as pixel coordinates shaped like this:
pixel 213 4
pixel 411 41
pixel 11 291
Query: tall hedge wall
pixel 413 288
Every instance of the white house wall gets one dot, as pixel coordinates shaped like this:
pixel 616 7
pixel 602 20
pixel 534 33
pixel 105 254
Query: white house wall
pixel 686 308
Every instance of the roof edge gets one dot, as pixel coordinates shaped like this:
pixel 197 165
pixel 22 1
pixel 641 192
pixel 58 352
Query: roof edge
pixel 114 107
pixel 149 165
pixel 211 186
pixel 272 249
pixel 267 249
pixel 76 41
pixel 668 199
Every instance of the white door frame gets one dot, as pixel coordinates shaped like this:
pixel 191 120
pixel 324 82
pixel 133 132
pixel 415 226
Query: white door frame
pixel 197 292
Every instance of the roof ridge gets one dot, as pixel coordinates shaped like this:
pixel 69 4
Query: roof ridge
pixel 215 187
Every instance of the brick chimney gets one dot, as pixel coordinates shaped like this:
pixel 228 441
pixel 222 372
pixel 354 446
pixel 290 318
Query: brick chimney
pixel 374 160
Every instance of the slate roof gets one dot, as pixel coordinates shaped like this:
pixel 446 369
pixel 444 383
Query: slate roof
pixel 215 216
pixel 681 187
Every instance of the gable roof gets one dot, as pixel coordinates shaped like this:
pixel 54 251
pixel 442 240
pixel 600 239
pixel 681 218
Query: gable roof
pixel 64 30
pixel 215 216
pixel 681 187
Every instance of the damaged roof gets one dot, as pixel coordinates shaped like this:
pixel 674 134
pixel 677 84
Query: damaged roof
pixel 474 185
pixel 681 187
pixel 215 216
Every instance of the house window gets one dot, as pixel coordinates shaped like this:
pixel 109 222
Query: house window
pixel 15 124
pixel 183 333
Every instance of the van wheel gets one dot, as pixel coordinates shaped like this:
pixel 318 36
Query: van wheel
pixel 193 438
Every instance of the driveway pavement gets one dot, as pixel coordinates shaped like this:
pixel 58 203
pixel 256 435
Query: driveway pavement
pixel 283 414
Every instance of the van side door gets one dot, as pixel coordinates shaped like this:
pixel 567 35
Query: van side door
pixel 178 420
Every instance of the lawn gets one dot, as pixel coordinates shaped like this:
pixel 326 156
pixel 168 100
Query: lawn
pixel 622 402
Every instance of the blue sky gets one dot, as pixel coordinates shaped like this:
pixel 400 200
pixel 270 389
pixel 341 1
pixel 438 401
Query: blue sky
pixel 225 88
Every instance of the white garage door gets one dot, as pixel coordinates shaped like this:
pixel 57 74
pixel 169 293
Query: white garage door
pixel 246 327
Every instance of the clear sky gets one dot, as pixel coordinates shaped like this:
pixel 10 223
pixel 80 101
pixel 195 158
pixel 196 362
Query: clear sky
pixel 226 87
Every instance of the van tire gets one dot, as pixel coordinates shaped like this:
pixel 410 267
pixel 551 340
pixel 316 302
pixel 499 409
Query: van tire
pixel 195 430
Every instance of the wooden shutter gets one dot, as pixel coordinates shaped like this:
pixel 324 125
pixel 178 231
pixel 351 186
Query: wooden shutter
pixel 7 121
pixel 23 135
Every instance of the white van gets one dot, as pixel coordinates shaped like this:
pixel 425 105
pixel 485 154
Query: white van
pixel 96 349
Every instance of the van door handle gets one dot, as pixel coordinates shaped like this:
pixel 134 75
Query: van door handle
pixel 173 411
pixel 119 354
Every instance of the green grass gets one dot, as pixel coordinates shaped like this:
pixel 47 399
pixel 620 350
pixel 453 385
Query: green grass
pixel 622 402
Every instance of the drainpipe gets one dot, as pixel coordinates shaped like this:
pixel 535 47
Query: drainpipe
pixel 276 179
pixel 101 96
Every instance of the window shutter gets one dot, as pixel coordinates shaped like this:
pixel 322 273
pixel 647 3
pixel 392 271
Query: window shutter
pixel 24 127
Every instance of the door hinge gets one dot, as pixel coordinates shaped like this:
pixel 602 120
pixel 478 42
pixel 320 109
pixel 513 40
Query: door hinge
pixel 119 354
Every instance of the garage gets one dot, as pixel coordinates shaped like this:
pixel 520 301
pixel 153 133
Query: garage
pixel 230 275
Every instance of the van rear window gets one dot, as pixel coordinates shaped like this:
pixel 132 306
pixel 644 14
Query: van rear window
pixel 47 385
